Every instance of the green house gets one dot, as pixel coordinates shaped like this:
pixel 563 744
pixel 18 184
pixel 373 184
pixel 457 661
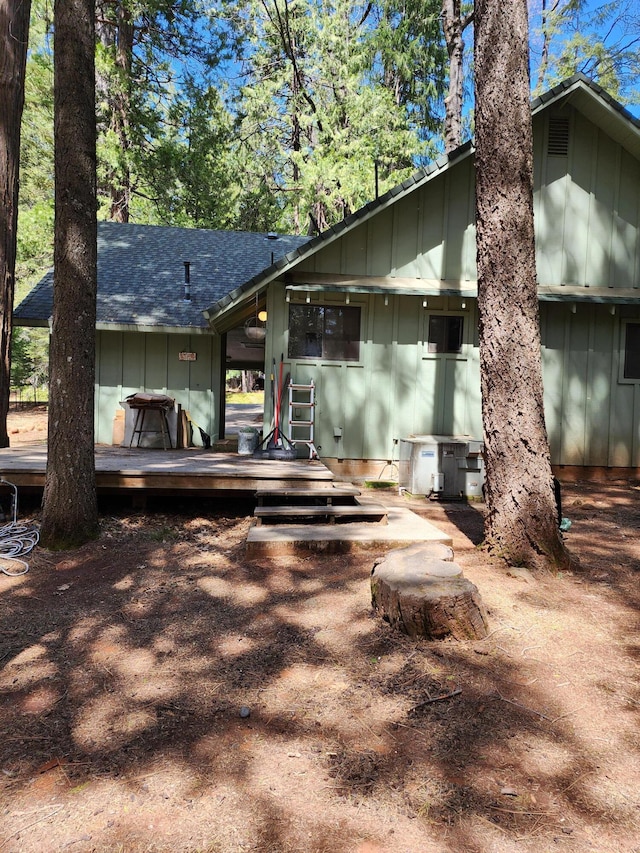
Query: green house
pixel 153 286
pixel 380 312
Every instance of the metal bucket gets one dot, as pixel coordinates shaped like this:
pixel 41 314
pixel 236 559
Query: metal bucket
pixel 248 438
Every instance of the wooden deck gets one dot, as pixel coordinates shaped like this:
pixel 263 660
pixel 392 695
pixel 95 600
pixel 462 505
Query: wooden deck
pixel 168 471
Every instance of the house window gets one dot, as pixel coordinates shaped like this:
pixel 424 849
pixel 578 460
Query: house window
pixel 632 351
pixel 445 333
pixel 324 331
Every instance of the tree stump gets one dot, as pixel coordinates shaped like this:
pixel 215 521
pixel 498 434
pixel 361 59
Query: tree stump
pixel 423 593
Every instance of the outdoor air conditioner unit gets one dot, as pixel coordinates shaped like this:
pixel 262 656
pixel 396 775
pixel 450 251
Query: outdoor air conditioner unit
pixel 442 466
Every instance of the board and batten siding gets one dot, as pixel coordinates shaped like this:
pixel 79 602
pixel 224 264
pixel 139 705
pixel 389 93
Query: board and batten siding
pixel 396 388
pixel 429 234
pixel 127 362
pixel 587 219
pixel 586 207
pixel 586 212
pixel 592 414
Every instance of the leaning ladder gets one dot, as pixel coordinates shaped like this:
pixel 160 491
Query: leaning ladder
pixel 303 397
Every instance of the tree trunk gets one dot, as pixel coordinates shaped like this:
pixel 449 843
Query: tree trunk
pixel 14 34
pixel 453 26
pixel 521 522
pixel 422 592
pixel 70 515
pixel 452 29
pixel 121 108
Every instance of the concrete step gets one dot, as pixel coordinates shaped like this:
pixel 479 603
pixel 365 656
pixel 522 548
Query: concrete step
pixel 326 494
pixel 403 528
pixel 353 512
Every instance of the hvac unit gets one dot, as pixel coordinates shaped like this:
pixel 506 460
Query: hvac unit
pixel 442 466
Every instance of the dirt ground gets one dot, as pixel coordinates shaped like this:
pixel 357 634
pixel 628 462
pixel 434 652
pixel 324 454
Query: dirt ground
pixel 160 692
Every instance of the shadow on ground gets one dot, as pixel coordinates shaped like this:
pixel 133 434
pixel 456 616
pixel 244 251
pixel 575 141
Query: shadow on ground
pixel 164 693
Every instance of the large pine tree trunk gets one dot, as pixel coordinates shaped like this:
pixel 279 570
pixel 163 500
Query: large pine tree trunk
pixel 70 514
pixel 452 29
pixel 521 522
pixel 120 110
pixel 14 33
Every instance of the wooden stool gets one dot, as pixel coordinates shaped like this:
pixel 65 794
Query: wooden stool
pixel 139 427
pixel 144 403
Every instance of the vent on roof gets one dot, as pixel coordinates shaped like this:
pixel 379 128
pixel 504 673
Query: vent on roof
pixel 187 281
pixel 558 142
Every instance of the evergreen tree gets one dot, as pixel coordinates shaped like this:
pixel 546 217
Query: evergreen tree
pixel 521 521
pixel 456 18
pixel 602 42
pixel 326 98
pixel 69 512
pixel 35 232
pixel 187 172
pixel 142 54
pixel 14 34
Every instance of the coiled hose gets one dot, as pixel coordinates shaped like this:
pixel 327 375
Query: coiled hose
pixel 16 540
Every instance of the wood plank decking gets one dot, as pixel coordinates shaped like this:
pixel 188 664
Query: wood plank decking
pixel 160 471
pixel 142 472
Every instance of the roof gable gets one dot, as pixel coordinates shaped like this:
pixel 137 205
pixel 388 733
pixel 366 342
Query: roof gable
pixel 579 92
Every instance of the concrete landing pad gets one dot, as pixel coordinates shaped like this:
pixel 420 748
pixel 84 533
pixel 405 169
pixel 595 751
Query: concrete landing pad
pixel 404 527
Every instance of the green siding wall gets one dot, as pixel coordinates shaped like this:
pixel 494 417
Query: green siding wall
pixel 587 208
pixel 135 361
pixel 396 388
pixel 592 416
pixel 399 388
pixel 587 219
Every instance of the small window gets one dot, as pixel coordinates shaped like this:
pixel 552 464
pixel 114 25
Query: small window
pixel 445 333
pixel 324 331
pixel 632 351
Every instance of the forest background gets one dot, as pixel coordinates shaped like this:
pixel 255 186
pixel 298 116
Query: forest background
pixel 275 115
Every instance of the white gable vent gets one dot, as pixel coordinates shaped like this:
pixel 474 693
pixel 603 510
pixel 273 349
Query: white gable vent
pixel 558 142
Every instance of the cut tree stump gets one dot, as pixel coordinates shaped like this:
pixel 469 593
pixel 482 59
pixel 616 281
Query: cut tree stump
pixel 422 592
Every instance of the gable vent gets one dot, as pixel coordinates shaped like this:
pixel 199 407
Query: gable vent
pixel 558 142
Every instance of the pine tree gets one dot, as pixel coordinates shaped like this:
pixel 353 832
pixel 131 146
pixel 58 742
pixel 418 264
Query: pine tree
pixel 601 41
pixel 14 33
pixel 521 522
pixel 326 99
pixel 70 513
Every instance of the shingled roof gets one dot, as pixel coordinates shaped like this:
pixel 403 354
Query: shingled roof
pixel 141 274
